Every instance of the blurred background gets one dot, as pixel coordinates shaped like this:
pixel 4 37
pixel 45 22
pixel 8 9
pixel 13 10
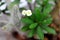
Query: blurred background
pixel 24 4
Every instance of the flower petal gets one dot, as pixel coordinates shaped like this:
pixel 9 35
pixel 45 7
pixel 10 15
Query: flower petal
pixel 29 13
pixel 24 12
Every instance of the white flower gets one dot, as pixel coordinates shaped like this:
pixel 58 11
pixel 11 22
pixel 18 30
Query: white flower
pixel 24 12
pixel 29 13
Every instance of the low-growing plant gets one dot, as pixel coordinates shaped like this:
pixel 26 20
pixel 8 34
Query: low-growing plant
pixel 39 20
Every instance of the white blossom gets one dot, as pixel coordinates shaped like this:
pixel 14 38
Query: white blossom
pixel 24 12
pixel 29 13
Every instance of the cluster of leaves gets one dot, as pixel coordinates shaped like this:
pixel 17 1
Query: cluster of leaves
pixel 39 20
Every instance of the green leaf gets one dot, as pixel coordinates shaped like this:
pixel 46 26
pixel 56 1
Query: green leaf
pixel 29 1
pixel 40 32
pixel 49 30
pixel 17 1
pixel 27 21
pixel 31 33
pixel 38 14
pixel 47 21
pixel 25 28
pixel 47 9
pixel 32 26
pixel 38 1
pixel 45 2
